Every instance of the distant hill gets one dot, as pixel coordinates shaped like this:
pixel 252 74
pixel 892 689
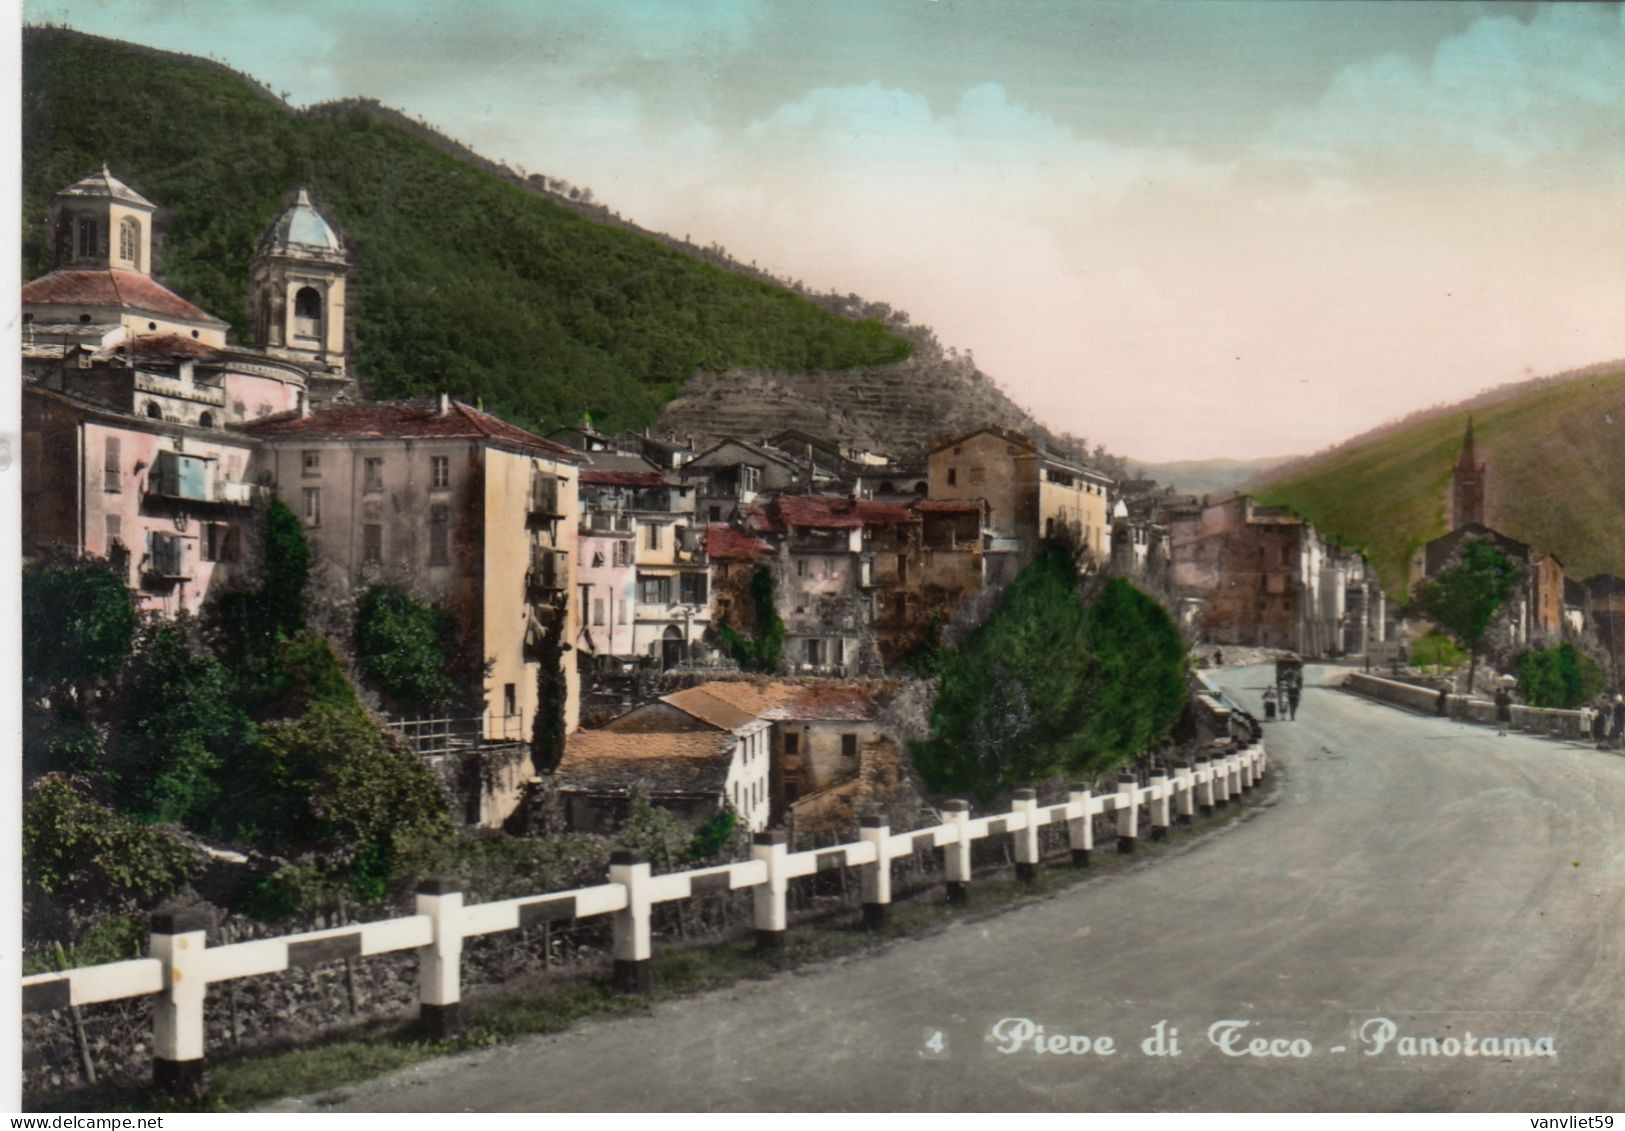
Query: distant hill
pixel 1556 454
pixel 469 278
pixel 1206 476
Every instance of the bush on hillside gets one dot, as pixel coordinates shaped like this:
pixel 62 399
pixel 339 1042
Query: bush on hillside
pixel 1561 677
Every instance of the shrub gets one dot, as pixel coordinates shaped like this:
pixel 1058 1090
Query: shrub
pixel 82 850
pixel 1436 650
pixel 1561 677
pixel 1136 683
pixel 760 653
pixel 110 940
pixel 405 651
pixel 714 835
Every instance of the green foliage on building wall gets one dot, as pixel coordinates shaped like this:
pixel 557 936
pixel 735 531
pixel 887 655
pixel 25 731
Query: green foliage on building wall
pixel 1562 677
pixel 761 652
pixel 552 701
pixel 405 650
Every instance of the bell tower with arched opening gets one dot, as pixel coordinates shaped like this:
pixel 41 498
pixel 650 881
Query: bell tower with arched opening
pixel 297 296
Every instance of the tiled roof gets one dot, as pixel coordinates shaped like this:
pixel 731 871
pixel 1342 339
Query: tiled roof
pixel 102 184
pixel 728 544
pixel 1010 435
pixel 165 346
pixel 404 420
pixel 949 506
pixel 779 700
pixel 878 513
pixel 657 761
pixel 699 702
pixel 116 287
pixel 610 477
pixel 826 512
pixel 763 521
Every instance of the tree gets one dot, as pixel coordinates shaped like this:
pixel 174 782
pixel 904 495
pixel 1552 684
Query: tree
pixel 759 653
pixel 1562 677
pixel 250 624
pixel 1465 598
pixel 1015 694
pixel 552 698
pixel 78 624
pixel 77 848
pixel 1136 683
pixel 404 649
pixel 182 724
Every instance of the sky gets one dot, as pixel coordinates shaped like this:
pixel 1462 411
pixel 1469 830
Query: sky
pixel 1181 229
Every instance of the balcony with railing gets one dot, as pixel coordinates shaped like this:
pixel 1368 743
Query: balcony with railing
pixel 547 575
pixel 546 501
pixel 176 478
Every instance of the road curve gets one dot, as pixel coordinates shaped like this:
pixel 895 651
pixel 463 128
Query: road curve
pixel 1411 869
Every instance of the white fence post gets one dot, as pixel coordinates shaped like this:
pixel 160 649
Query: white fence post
pixel 1204 789
pixel 634 973
pixel 1128 813
pixel 1159 805
pixel 440 994
pixel 771 915
pixel 1244 767
pixel 956 856
pixel 177 941
pixel 876 877
pixel 1080 831
pixel 1186 796
pixel 1026 838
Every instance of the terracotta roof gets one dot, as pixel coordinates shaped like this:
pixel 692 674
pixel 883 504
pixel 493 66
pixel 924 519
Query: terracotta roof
pixel 708 708
pixel 404 420
pixel 116 287
pixel 759 519
pixel 875 513
pixel 779 700
pixel 949 506
pixel 827 512
pixel 165 346
pixel 614 477
pixel 1009 435
pixel 657 761
pixel 728 544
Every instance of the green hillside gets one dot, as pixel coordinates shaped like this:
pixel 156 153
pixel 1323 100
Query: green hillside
pixel 465 281
pixel 1556 460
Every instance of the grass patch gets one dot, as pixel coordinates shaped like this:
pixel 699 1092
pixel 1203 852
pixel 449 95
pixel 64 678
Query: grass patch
pixel 246 1082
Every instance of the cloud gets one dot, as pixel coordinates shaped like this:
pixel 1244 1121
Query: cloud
pixel 1504 92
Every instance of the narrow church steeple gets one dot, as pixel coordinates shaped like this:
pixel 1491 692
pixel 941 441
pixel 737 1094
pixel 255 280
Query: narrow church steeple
pixel 1467 485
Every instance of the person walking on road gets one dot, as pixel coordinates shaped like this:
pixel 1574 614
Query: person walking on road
pixel 1503 709
pixel 1619 721
pixel 1294 690
pixel 1599 723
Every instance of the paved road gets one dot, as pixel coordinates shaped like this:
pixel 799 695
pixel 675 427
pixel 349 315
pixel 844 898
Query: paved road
pixel 1410 868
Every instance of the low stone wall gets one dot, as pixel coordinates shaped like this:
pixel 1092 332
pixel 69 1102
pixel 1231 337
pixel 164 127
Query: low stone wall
pixel 1425 700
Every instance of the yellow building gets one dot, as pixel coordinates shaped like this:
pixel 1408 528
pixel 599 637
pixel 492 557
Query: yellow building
pixel 1030 494
pixel 455 506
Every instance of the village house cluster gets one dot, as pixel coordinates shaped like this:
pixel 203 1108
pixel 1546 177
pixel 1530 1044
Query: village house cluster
pixel 154 440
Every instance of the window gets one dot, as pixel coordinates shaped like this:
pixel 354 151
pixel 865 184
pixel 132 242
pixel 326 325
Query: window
pixel 439 534
pixel 372 544
pixel 114 528
pixel 623 553
pixel 792 744
pixel 750 478
pixel 654 590
pixel 372 474
pixel 153 411
pixel 715 514
pixel 111 478
pixel 953 476
pixel 815 653
pixel 624 614
pixel 598 611
pixel 167 556
pixel 312 463
pixel 510 699
pixel 307 313
pixel 978 474
pixel 849 746
pixel 313 506
pixel 693 588
pixel 129 241
pixel 440 471
pixel 653 537
pixel 219 542
pixel 586 596
pixel 88 243
pixel 205 420
pixel 801 567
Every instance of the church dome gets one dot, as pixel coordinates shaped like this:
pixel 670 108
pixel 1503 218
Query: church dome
pixel 301 230
pixel 103 185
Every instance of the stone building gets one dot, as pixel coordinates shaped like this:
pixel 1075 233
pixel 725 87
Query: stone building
pixel 734 474
pixel 457 507
pixel 818 539
pixel 1536 608
pixel 1266 578
pixel 1031 494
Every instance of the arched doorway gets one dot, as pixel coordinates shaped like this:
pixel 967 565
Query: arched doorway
pixel 671 647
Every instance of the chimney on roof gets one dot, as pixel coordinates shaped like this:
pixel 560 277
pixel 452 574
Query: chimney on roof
pixel 304 404
pixel 445 405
